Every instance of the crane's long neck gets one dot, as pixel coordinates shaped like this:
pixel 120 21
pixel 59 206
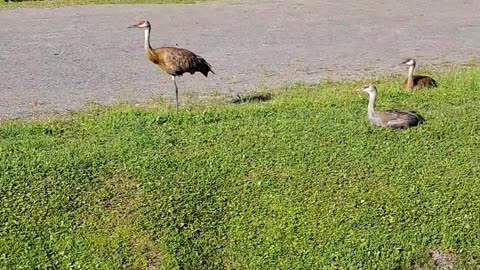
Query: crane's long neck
pixel 410 75
pixel 371 103
pixel 147 39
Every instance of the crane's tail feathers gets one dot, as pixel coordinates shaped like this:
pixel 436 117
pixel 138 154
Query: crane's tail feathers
pixel 203 66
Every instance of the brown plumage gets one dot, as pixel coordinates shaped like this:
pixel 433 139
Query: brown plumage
pixel 174 61
pixel 417 81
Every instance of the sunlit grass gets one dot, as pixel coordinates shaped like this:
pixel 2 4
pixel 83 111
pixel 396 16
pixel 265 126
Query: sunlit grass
pixel 292 178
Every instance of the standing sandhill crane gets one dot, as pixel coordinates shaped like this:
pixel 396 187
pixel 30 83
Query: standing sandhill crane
pixel 174 61
pixel 417 81
pixel 388 119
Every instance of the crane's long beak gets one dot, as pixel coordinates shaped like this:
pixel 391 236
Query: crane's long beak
pixel 133 26
pixel 358 90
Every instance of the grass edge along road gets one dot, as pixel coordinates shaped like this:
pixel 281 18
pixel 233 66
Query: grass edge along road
pixel 297 180
pixel 62 3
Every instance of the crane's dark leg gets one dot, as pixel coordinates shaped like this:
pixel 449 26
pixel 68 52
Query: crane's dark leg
pixel 176 89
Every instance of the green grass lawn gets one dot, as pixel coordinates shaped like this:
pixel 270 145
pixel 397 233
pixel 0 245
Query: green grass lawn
pixel 301 181
pixel 60 3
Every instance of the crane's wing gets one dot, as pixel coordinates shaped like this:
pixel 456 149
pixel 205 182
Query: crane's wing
pixel 400 119
pixel 177 61
pixel 397 123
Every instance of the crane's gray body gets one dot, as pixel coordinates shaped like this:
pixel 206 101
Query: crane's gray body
pixel 391 118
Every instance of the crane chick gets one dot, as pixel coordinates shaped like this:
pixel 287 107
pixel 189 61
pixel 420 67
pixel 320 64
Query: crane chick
pixel 388 119
pixel 417 81
pixel 174 61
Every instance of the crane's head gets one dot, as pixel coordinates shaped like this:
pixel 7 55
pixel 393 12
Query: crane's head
pixel 369 89
pixel 409 62
pixel 141 24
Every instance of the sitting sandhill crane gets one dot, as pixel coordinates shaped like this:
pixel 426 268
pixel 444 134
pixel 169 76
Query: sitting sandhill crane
pixel 417 81
pixel 174 61
pixel 388 119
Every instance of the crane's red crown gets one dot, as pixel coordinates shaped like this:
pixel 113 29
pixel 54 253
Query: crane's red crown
pixel 143 23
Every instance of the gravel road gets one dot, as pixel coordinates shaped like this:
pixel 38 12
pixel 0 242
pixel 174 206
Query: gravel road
pixel 55 60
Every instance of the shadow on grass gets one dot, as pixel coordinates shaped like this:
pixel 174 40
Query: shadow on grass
pixel 422 120
pixel 253 97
